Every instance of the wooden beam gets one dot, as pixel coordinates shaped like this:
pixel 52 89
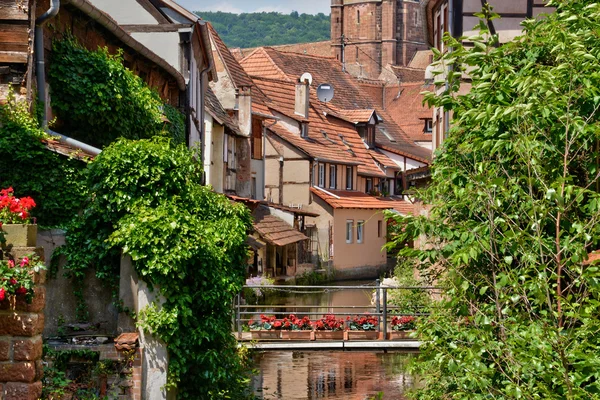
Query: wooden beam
pixel 13 57
pixel 155 28
pixel 9 10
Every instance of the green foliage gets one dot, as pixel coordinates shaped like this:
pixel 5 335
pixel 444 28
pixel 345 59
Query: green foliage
pixel 176 124
pixel 268 29
pixel 408 301
pixel 185 241
pixel 54 181
pixel 312 278
pixel 98 100
pixel 515 212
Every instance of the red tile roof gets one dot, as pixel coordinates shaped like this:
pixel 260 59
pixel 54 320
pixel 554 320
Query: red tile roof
pixel 238 76
pixel 407 74
pixel 351 199
pixel 322 49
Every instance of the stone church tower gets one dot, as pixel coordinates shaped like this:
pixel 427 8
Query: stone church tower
pixel 374 33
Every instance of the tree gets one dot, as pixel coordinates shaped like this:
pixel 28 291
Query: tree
pixel 515 211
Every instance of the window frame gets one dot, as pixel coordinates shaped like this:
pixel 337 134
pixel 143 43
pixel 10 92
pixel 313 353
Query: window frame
pixel 429 125
pixel 360 232
pixel 349 177
pixel 332 176
pixel 349 231
pixel 321 181
pixel 379 228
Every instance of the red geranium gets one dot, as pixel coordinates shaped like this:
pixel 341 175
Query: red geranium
pixel 13 209
pixel 329 323
pixel 403 323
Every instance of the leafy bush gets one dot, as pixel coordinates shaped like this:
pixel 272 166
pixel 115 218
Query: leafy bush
pixel 98 100
pixel 185 240
pixel 53 180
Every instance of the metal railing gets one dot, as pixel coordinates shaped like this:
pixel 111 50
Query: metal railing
pixel 381 309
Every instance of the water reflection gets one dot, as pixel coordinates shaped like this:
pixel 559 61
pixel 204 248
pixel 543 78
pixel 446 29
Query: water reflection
pixel 332 375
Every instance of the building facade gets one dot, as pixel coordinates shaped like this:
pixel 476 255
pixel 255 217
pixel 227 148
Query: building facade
pixel 369 35
pixel 457 17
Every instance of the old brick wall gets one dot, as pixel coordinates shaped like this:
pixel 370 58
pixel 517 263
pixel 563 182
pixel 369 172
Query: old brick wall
pixel 21 326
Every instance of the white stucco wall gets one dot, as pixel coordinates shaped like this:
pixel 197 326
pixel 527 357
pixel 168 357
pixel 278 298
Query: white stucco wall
pixel 125 12
pixel 164 44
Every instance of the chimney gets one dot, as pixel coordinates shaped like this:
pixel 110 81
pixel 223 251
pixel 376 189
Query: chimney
pixel 245 111
pixel 302 95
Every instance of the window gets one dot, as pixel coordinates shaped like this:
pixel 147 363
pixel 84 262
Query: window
pixel 357 53
pixel 358 17
pixel 304 132
pixel 368 185
pixel 321 175
pixel 349 229
pixel 332 176
pixel 379 228
pixel 440 26
pixel 257 139
pixel 314 174
pixel 360 230
pixel 428 125
pixel 349 176
pixel 371 135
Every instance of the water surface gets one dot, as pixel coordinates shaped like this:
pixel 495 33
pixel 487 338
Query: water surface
pixel 288 375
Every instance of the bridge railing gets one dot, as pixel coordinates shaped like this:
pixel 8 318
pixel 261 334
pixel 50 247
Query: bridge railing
pixel 379 307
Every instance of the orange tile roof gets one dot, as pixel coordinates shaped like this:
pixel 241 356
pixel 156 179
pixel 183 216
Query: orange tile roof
pixel 288 67
pixel 350 199
pixel 384 160
pixel 322 49
pixel 274 230
pixel 238 76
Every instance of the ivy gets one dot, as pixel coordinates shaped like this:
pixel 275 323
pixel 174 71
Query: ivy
pixel 186 241
pixel 53 180
pixel 97 99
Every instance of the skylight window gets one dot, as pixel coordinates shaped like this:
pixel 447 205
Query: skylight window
pixel 387 135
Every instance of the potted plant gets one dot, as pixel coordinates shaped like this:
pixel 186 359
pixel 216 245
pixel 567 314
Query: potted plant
pixel 15 220
pixel 294 328
pixel 362 327
pixel 329 328
pixel 268 327
pixel 402 327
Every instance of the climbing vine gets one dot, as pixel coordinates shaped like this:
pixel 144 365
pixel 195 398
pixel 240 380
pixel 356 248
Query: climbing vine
pixel 97 99
pixel 185 241
pixel 53 180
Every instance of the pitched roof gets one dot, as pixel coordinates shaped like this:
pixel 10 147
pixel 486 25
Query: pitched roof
pixel 215 109
pixel 274 230
pixel 358 200
pixel 322 49
pixel 67 150
pixel 329 138
pixel 272 64
pixel 422 59
pixel 407 74
pixel 238 76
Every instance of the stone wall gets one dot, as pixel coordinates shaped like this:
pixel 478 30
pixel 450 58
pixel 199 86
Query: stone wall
pixel 21 327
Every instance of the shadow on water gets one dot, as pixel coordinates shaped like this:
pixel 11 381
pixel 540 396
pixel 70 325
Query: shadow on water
pixel 332 375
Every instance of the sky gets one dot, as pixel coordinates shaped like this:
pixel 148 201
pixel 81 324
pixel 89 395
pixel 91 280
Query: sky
pixel 240 6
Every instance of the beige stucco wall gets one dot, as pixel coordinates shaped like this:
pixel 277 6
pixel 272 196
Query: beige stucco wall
pixel 360 257
pixel 216 157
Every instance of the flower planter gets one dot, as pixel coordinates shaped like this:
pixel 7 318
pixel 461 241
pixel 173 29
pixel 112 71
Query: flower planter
pixel 329 335
pixel 399 335
pixel 361 335
pixel 297 335
pixel 20 235
pixel 266 335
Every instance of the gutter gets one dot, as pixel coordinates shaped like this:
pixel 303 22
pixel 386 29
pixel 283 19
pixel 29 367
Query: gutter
pixel 108 23
pixel 75 143
pixel 40 57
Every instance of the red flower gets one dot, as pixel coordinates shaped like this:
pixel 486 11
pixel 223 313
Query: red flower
pixel 277 324
pixel 11 264
pixel 24 261
pixel 21 290
pixel 2 294
pixel 13 281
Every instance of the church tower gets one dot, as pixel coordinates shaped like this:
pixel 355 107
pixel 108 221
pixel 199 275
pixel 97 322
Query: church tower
pixel 370 34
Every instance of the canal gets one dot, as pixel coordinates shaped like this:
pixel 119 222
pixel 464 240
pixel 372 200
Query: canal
pixel 350 375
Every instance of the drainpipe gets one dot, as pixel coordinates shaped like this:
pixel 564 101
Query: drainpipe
pixel 39 52
pixel 75 143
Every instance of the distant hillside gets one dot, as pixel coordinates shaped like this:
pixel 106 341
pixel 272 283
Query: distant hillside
pixel 268 29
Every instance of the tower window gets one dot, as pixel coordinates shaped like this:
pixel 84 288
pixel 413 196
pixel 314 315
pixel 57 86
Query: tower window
pixel 358 17
pixel 357 53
